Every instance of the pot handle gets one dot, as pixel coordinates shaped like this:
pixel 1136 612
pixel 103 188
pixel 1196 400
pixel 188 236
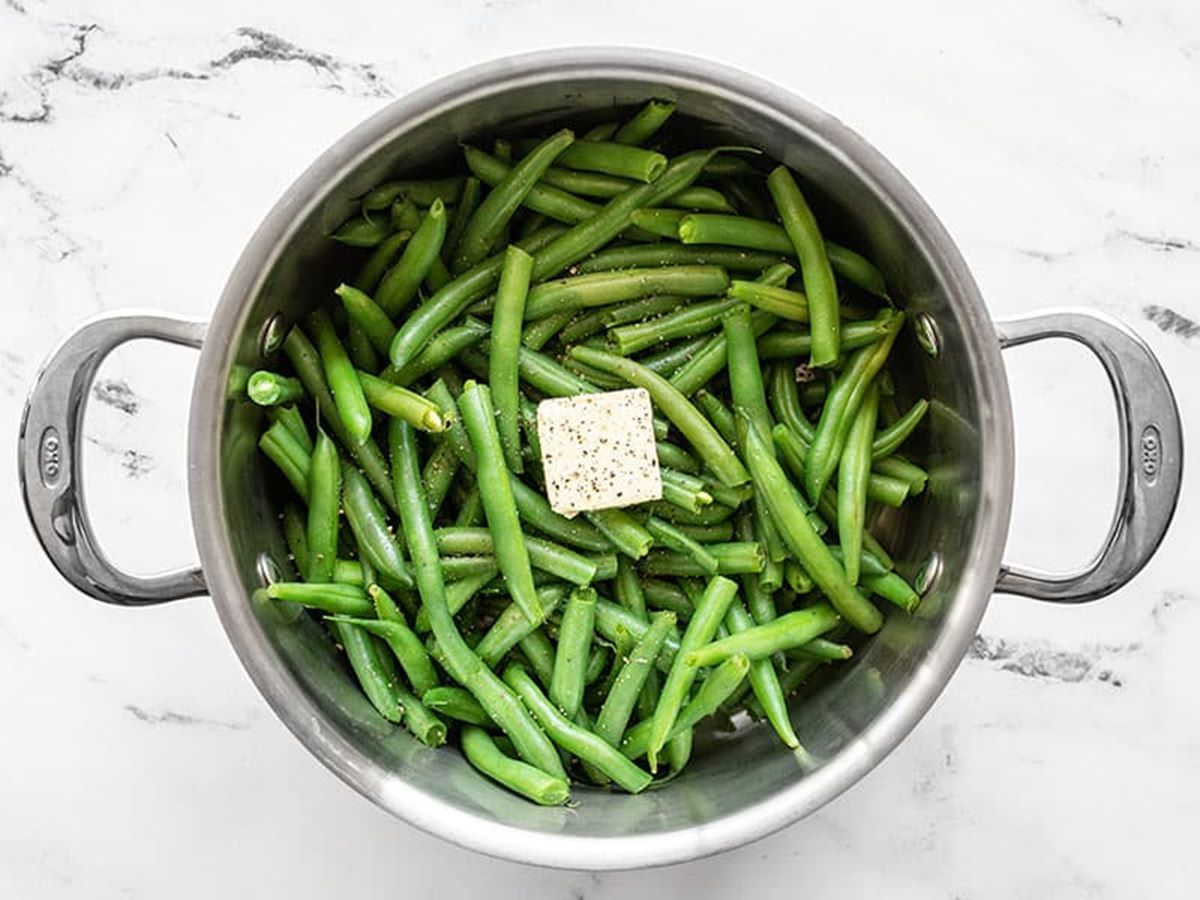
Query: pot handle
pixel 1151 454
pixel 49 448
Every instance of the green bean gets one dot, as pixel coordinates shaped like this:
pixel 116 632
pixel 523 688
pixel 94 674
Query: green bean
pixel 660 222
pixel 670 359
pixel 610 158
pixel 404 215
pixel 545 555
pixel 512 626
pixel 785 507
pixel 543 198
pixel 472 188
pixel 324 489
pixel 362 231
pixel 365 659
pixel 505 346
pixel 727 166
pixel 399 286
pixel 667 595
pixel 664 254
pixel 350 571
pixel 446 346
pixel 705 440
pixel 593 233
pixel 281 447
pixel 901 469
pixel 711 359
pixel 537 334
pixel 441 468
pixel 575 740
pixel 539 653
pixel 677 458
pixel 708 534
pixel 269 389
pixel 347 599
pixel 352 408
pixel 419 719
pixel 888 440
pixel 421 192
pixel 768 237
pixel 854 471
pixel 764 681
pixel 505 198
pixel 720 415
pixel 785 403
pixel 688 498
pixel 645 124
pixel 690 320
pixel 460 592
pixel 597 664
pixel 380 260
pixel 616 624
pixel 402 403
pixel 456 703
pixel 586 325
pixel 670 536
pixel 790 345
pixel 798 580
pixel 629 588
pixel 369 525
pixel 295 532
pixel 700 630
pixel 462 663
pixel 778 301
pixel 824 650
pixel 406 646
pixel 571 658
pixel 604 288
pixel 622 531
pixel 619 703
pixel 369 317
pixel 498 503
pixel 714 690
pixel 291 419
pixel 733 558
pixel 470 511
pixel 448 303
pixel 761 641
pixel 894 589
pixel 840 407
pixel 713 514
pixel 528 781
pixel 880 488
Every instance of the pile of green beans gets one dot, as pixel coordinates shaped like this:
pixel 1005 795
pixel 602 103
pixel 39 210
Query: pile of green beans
pixel 401 422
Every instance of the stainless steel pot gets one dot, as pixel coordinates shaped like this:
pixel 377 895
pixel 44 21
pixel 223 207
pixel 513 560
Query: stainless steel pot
pixel 744 786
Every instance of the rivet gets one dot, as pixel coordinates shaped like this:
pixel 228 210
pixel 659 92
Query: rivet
pixel 927 333
pixel 274 330
pixel 268 570
pixel 928 574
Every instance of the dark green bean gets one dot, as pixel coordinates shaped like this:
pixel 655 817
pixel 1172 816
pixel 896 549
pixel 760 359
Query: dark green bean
pixel 539 653
pixel 422 192
pixel 441 468
pixel 611 158
pixel 670 536
pixel 512 626
pixel 446 346
pixel 367 314
pixel 720 415
pixel 888 440
pixel 281 447
pixel 790 345
pixel 629 588
pixel 363 231
pixel 472 189
pixel 664 254
pixel 667 595
pixel 622 531
pixel 660 222
pixel 688 321
pixel 587 324
pixel 543 198
pixel 677 458
pixel 367 662
pixel 380 261
pixel 406 646
pixel 645 124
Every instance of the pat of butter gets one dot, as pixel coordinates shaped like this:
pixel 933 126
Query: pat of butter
pixel 598 451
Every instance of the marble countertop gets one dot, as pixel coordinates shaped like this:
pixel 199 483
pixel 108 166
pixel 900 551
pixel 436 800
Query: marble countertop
pixel 141 143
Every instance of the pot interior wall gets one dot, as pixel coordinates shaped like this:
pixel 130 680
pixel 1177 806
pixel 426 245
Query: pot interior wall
pixel 731 772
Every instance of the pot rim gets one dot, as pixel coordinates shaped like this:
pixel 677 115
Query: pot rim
pixel 304 718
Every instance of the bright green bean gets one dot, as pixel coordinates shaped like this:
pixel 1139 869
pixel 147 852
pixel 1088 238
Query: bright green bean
pixel 761 641
pixel 324 489
pixel 733 558
pixel 406 646
pixel 345 599
pixel 622 697
pixel 670 536
pixel 854 471
pixel 422 192
pixel 402 403
pixel 888 440
pixel 687 321
pixel 399 286
pixel 622 531
pixel 456 703
pixel 661 222
pixel 666 254
pixel 368 523
pixel 505 346
pixel 604 288
pixel 511 626
pixel 575 740
pixel 367 662
pixel 281 447
pixel 352 408
pixel 368 315
pixel 446 346
pixel 270 389
pixel 528 781
pixel 611 158
pixel 571 657
pixel 545 555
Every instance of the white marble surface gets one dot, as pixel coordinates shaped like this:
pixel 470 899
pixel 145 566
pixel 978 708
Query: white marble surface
pixel 140 143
